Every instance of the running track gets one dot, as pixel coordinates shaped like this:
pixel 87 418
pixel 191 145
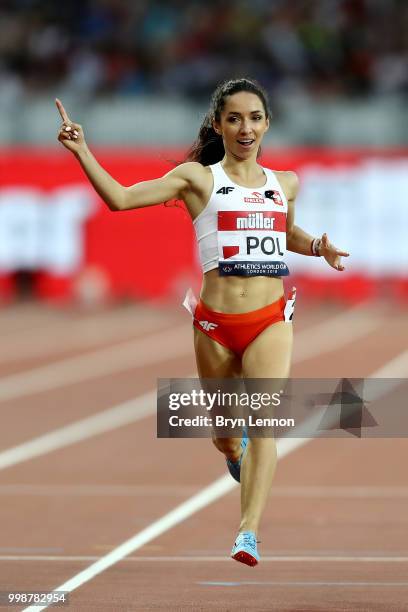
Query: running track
pixel 81 473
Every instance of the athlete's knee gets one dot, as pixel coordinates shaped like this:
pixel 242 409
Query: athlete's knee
pixel 228 446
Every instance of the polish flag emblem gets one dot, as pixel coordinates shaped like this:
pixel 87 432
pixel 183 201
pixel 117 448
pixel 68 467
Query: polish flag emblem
pixel 230 251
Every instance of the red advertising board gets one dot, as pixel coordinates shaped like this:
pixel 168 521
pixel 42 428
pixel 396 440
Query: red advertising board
pixel 54 226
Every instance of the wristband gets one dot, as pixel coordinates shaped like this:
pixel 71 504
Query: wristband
pixel 315 246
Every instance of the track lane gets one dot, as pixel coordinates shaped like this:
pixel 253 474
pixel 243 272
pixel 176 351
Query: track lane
pixel 180 471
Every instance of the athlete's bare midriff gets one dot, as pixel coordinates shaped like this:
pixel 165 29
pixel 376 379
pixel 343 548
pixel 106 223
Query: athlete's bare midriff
pixel 229 294
pixel 237 294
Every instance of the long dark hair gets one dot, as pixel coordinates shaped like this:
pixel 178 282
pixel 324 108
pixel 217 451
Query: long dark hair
pixel 208 148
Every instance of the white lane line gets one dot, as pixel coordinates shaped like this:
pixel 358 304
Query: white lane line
pixel 335 333
pixel 194 504
pixel 302 584
pixel 348 492
pixel 177 490
pixel 20 318
pixel 92 490
pixel 76 334
pixel 128 412
pixel 211 559
pixel 173 342
pixel 395 368
pixel 49 319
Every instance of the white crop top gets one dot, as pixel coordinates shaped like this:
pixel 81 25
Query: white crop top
pixel 242 230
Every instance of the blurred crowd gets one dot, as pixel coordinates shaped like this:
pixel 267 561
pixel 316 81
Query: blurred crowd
pixel 178 47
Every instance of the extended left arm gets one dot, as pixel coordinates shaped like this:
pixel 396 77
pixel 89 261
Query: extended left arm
pixel 299 241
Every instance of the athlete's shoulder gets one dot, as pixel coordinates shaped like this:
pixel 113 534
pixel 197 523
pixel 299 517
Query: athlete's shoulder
pixel 197 176
pixel 192 169
pixel 289 181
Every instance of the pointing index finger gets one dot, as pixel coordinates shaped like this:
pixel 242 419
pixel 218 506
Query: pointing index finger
pixel 62 110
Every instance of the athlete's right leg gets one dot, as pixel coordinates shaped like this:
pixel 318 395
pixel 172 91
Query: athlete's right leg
pixel 216 361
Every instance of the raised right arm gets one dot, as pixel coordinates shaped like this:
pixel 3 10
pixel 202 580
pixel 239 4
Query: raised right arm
pixel 172 185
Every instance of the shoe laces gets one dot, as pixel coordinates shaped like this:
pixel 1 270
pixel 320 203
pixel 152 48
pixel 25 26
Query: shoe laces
pixel 250 540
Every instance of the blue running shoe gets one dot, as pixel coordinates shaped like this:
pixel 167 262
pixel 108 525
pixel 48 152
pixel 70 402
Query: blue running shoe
pixel 234 467
pixel 245 549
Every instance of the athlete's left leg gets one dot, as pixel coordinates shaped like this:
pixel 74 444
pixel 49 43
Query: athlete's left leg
pixel 268 356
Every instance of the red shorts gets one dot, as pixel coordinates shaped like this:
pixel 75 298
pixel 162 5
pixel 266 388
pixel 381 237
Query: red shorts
pixel 237 331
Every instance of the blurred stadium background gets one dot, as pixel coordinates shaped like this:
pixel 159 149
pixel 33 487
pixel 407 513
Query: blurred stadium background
pixel 138 76
pixel 90 301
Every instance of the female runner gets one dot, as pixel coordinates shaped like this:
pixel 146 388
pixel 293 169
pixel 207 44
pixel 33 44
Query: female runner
pixel 243 216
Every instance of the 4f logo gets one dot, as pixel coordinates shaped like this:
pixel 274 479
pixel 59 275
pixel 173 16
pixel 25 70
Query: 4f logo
pixel 207 325
pixel 225 190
